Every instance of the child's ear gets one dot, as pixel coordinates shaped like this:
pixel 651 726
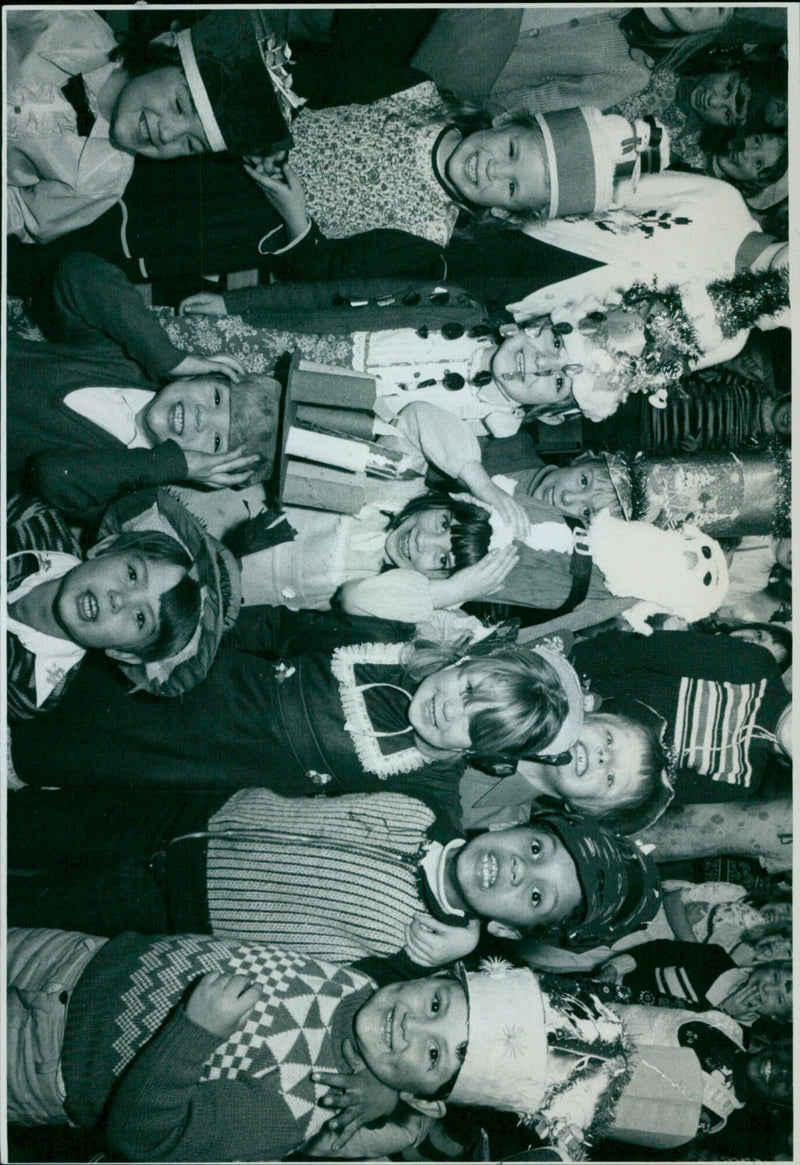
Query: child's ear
pixel 168 38
pixel 432 1108
pixel 104 544
pixel 500 930
pixel 551 418
pixel 123 656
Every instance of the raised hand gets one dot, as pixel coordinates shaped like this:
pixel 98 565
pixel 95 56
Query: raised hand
pixel 285 192
pixel 221 1002
pixel 359 1096
pixel 220 365
pixel 432 943
pixel 220 470
pixel 511 511
pixel 485 577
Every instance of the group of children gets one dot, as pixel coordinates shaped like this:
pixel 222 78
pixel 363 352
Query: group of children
pixel 265 771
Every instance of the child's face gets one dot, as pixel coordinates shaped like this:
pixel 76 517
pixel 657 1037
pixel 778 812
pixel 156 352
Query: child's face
pixel 578 490
pixel 770 1073
pixel 762 637
pixel 504 168
pixel 698 19
pixel 413 1035
pixel 530 368
pixel 773 982
pixel 438 711
pixel 422 542
pixel 155 116
pixel 759 152
pixel 196 413
pixel 604 765
pixel 112 602
pixel 520 878
pixel 772 947
pixel 721 98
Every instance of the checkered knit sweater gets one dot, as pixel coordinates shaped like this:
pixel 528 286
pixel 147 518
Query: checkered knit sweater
pixel 338 878
pixel 190 1096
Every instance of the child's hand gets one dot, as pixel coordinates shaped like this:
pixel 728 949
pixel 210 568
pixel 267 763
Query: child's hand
pixel 486 576
pixel 511 511
pixel 270 166
pixel 743 1001
pixel 204 303
pixel 285 192
pixel 359 1097
pixel 220 1003
pixel 220 470
pixel 431 943
pixel 219 365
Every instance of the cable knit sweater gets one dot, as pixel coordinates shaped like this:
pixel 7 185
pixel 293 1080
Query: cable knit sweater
pixel 181 1093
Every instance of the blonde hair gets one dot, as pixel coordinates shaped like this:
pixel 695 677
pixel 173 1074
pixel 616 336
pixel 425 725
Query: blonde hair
pixel 515 701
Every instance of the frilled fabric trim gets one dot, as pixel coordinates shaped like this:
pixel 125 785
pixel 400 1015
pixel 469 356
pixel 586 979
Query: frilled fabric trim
pixel 357 722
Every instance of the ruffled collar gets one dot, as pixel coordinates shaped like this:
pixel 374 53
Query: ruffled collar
pixel 368 741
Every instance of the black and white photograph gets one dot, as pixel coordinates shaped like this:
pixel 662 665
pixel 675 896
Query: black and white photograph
pixel 397 738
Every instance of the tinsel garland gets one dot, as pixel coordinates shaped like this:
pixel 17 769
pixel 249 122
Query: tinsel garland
pixel 573 995
pixel 741 301
pixel 782 520
pixel 672 344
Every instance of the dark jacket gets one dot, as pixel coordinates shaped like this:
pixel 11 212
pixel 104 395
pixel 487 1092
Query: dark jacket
pixel 108 338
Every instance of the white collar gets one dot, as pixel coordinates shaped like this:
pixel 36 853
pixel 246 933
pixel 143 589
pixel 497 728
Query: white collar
pixel 117 410
pixel 434 865
pixel 53 657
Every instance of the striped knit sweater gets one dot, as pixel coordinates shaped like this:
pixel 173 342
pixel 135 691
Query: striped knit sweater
pixel 338 878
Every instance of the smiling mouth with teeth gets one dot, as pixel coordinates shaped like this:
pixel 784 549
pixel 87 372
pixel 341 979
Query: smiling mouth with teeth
pixel 581 758
pixel 387 1029
pixel 177 419
pixel 472 168
pixel 488 869
pixel 88 608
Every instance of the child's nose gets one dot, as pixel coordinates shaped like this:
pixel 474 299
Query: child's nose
pixel 116 601
pixel 500 169
pixel 170 128
pixel 452 708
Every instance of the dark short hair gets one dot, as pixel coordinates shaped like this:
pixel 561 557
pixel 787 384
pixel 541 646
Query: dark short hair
pixel 771 173
pixel 471 532
pixel 139 55
pixel 779 632
pixel 179 608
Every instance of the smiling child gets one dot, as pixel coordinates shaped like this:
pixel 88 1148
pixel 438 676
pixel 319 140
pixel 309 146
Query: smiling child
pixel 137 596
pixel 85 415
pixel 223 1050
pixel 429 163
pixel 80 109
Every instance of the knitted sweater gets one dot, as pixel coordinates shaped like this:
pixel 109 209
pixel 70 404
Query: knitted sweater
pixel 191 1096
pixel 719 696
pixel 338 879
